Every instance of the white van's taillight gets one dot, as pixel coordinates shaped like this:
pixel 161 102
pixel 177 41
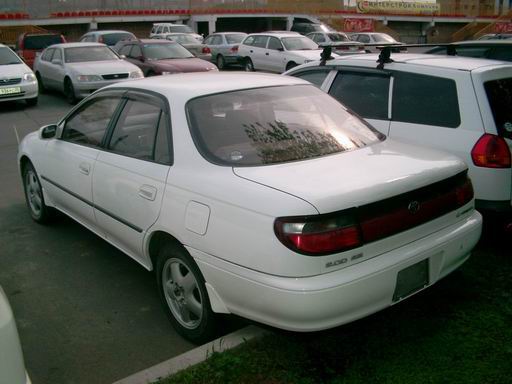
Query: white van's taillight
pixel 491 151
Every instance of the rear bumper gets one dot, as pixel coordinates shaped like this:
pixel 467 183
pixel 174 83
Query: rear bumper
pixel 494 206
pixel 331 299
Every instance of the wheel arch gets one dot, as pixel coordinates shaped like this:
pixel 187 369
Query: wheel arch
pixel 155 242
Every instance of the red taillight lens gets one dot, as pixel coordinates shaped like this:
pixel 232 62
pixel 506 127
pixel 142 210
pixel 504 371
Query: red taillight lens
pixel 234 48
pixel 321 235
pixel 342 48
pixel 491 151
pixel 206 50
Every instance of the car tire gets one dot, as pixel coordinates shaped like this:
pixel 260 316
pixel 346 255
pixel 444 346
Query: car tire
pixel 182 289
pixel 31 102
pixel 150 74
pixel 248 65
pixel 34 196
pixel 290 65
pixel 40 84
pixel 221 62
pixel 69 91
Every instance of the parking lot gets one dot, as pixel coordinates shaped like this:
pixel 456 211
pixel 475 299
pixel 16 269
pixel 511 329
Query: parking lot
pixel 85 312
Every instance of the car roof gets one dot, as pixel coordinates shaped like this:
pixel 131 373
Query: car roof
pixel 191 85
pixel 229 33
pixel 277 33
pixel 106 31
pixel 484 42
pixel 76 45
pixel 439 61
pixel 151 41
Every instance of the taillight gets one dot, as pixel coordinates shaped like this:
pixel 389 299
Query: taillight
pixel 318 235
pixel 234 48
pixel 464 193
pixel 206 50
pixel 491 151
pixel 100 39
pixel 361 48
pixel 342 48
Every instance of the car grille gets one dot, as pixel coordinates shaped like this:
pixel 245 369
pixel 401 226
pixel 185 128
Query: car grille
pixel 115 76
pixel 10 81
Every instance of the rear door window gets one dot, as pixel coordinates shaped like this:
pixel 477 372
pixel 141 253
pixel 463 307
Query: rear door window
pixel 260 41
pixel 40 42
pixel 422 99
pixel 249 41
pixel 499 94
pixel 365 93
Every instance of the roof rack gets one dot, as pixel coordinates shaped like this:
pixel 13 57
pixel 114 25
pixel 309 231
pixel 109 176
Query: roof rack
pixel 385 51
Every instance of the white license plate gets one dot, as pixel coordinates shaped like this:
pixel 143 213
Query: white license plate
pixel 10 91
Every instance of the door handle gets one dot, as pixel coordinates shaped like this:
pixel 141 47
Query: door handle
pixel 84 168
pixel 148 192
pixel 251 51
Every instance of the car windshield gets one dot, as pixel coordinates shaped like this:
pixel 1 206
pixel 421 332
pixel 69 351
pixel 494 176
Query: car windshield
pixel 383 38
pixel 274 125
pixel 40 42
pixel 113 38
pixel 165 51
pixel 235 39
pixel 82 54
pixel 338 37
pixel 8 57
pixel 299 43
pixel 181 28
pixel 183 39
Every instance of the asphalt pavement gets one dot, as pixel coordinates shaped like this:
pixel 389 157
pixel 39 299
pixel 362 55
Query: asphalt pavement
pixel 86 313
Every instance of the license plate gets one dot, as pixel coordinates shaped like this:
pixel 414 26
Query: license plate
pixel 10 91
pixel 411 279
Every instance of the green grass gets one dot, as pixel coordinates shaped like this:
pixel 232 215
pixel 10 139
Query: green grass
pixel 458 331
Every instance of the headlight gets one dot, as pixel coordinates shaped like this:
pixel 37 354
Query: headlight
pixel 85 78
pixel 136 74
pixel 308 61
pixel 212 69
pixel 29 77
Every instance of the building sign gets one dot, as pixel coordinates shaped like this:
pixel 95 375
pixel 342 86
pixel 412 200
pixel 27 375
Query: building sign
pixel 503 28
pixel 365 6
pixel 358 25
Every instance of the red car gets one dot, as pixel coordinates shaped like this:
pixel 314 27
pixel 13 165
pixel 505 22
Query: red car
pixel 161 57
pixel 29 45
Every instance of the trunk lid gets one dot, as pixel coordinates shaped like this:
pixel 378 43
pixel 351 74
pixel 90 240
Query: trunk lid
pixel 356 178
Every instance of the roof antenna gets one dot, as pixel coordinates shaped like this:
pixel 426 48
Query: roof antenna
pixel 384 57
pixel 326 55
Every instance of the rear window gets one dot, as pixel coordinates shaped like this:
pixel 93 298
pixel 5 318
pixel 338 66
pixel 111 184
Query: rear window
pixel 422 99
pixel 274 125
pixel 40 42
pixel 499 94
pixel 235 39
pixel 113 38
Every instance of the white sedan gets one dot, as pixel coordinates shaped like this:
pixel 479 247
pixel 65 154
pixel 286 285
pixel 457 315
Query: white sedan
pixel 79 69
pixel 253 194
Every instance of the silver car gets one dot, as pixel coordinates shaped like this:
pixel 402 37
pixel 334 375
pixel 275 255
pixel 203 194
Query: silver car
pixel 107 37
pixel 78 69
pixel 224 47
pixel 196 48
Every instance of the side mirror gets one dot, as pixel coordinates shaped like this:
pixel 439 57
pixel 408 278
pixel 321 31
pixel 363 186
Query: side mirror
pixel 48 131
pixel 122 56
pixel 280 49
pixel 57 61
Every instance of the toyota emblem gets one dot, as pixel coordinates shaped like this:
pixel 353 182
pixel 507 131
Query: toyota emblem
pixel 413 207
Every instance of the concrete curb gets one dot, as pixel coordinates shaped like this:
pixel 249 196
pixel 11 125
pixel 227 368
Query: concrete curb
pixel 195 356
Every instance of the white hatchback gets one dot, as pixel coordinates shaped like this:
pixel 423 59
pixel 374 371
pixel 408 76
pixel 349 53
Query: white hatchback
pixel 457 104
pixel 253 194
pixel 17 81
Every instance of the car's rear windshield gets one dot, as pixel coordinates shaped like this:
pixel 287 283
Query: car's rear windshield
pixel 235 39
pixel 82 54
pixel 183 39
pixel 299 43
pixel 40 42
pixel 383 38
pixel 163 51
pixel 8 57
pixel 499 94
pixel 338 37
pixel 181 28
pixel 113 38
pixel 274 125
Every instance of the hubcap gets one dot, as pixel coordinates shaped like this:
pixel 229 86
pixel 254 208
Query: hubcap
pixel 248 66
pixel 34 193
pixel 182 293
